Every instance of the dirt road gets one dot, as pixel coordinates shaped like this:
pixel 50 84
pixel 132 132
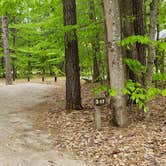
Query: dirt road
pixel 20 143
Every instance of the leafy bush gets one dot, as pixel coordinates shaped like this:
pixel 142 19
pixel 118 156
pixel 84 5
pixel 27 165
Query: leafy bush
pixel 135 66
pixel 141 95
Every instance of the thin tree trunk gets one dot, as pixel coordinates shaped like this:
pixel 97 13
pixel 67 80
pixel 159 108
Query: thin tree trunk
pixel 6 49
pixel 73 87
pixel 2 58
pixel 29 68
pixel 15 45
pixel 43 74
pixel 164 62
pixel 3 67
pixel 112 13
pixel 106 48
pixel 156 60
pixel 152 51
pixel 95 44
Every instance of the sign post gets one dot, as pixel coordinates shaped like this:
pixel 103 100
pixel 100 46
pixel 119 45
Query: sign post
pixel 98 103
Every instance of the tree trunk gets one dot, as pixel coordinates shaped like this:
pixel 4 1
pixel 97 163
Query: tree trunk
pixel 29 68
pixel 156 60
pixel 164 62
pixel 152 51
pixel 139 28
pixel 43 74
pixel 3 67
pixel 73 87
pixel 6 49
pixel 106 42
pixel 116 69
pixel 95 44
pixel 127 28
pixel 2 58
pixel 15 45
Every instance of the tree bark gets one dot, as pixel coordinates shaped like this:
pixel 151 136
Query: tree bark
pixel 152 50
pixel 106 42
pixel 127 28
pixel 29 69
pixel 73 87
pixel 6 49
pixel 43 74
pixel 116 69
pixel 139 28
pixel 2 74
pixel 95 44
pixel 15 46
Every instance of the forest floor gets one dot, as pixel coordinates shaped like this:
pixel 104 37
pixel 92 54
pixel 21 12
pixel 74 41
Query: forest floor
pixel 37 130
pixel 21 144
pixel 142 143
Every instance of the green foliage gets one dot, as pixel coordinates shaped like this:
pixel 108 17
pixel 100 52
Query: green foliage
pixel 163 92
pixel 159 77
pixel 40 33
pixel 161 17
pixel 135 66
pixel 140 95
pixel 104 88
pixel 129 41
pixel 160 45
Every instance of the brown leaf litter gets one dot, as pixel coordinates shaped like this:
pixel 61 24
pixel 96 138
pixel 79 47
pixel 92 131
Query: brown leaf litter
pixel 142 143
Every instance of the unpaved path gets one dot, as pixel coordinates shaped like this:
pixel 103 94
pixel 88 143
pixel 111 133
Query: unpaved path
pixel 20 143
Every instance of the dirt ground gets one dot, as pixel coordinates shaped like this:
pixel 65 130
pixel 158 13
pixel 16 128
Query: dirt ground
pixel 142 143
pixel 21 144
pixel 36 130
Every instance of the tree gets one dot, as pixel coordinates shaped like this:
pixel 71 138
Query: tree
pixel 6 49
pixel 95 43
pixel 116 70
pixel 152 50
pixel 106 42
pixel 139 28
pixel 127 29
pixel 15 46
pixel 73 93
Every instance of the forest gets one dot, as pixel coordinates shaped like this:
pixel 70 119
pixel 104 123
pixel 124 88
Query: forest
pixel 84 78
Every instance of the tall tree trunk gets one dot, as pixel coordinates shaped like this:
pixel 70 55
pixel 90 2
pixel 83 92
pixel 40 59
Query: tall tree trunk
pixel 152 32
pixel 156 60
pixel 29 69
pixel 139 28
pixel 112 13
pixel 127 28
pixel 95 44
pixel 6 49
pixel 15 45
pixel 2 58
pixel 73 87
pixel 106 42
